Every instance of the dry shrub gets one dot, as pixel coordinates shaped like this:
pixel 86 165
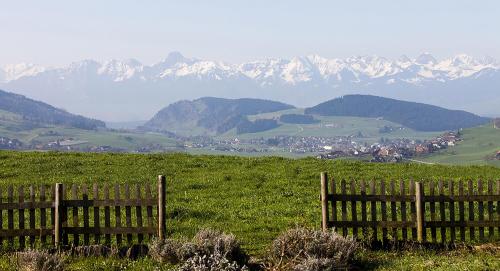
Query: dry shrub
pixel 310 250
pixel 34 260
pixel 212 262
pixel 166 250
pixel 206 244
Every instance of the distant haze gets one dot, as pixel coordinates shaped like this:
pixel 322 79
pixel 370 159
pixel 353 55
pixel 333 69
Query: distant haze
pixel 127 90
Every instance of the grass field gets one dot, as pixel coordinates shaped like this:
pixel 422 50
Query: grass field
pixel 254 198
pixel 477 148
pixel 330 126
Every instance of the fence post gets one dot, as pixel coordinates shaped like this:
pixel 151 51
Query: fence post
pixel 419 202
pixel 58 214
pixel 161 207
pixel 324 201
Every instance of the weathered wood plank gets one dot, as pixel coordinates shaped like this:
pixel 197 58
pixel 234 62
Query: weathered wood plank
pixel 480 209
pixel 373 210
pixel 394 230
pixel 383 206
pixel 97 236
pixel 413 211
pixel 149 209
pixel 43 214
pixel 128 214
pixel 22 238
pixel 86 218
pixel 332 199
pixel 32 216
pixel 490 209
pixel 74 196
pixel 354 209
pixel 363 209
pixel 118 219
pixel 451 189
pixel 471 210
pixel 343 206
pixel 107 215
pixel 138 213
pixel 461 210
pixel 404 231
pixel 442 214
pixel 432 209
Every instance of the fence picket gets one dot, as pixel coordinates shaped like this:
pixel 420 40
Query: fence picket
pixel 394 230
pixel 74 196
pixel 432 207
pixel 461 212
pixel 86 222
pixel 404 231
pixel 452 210
pixel 373 209
pixel 442 214
pixel 118 219
pixel 43 216
pixel 107 216
pixel 138 212
pixel 490 208
pixel 22 238
pixel 363 208
pixel 32 215
pixel 413 212
pixel 344 206
pixel 480 209
pixel 128 214
pixel 354 209
pixel 383 207
pixel 149 208
pixel 97 237
pixel 470 190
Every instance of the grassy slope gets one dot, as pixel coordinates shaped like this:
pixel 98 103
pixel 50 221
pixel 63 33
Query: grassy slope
pixel 478 146
pixel 254 198
pixel 344 126
pixel 12 126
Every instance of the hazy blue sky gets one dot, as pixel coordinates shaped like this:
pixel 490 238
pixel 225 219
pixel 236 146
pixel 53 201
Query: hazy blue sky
pixel 58 32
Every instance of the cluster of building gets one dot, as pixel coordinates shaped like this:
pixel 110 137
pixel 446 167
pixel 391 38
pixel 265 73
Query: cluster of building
pixel 10 143
pixel 393 150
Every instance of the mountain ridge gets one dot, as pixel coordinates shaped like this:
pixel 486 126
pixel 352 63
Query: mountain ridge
pixel 458 82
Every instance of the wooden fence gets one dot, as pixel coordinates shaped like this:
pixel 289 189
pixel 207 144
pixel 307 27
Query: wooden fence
pixel 59 215
pixel 433 212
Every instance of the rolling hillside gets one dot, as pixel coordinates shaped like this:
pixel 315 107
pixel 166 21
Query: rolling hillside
pixel 478 147
pixel 210 116
pixel 37 113
pixel 417 116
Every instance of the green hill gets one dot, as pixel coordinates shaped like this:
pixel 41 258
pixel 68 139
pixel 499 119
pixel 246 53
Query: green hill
pixel 210 116
pixel 478 147
pixel 418 116
pixel 35 113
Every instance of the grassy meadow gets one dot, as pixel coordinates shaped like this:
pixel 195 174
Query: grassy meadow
pixel 478 147
pixel 254 198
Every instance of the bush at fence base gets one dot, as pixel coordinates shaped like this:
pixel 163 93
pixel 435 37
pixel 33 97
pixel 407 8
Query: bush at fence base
pixel 34 260
pixel 212 262
pixel 206 243
pixel 310 250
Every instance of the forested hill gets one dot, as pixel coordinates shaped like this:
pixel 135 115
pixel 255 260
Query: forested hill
pixel 209 115
pixel 418 116
pixel 42 113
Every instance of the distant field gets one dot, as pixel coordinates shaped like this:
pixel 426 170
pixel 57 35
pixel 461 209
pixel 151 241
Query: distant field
pixel 333 126
pixel 12 126
pixel 477 148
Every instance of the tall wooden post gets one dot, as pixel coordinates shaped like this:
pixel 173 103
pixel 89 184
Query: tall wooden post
pixel 58 214
pixel 419 202
pixel 324 201
pixel 161 207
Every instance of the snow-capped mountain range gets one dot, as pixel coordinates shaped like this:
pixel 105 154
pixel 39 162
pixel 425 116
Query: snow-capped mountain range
pixel 128 89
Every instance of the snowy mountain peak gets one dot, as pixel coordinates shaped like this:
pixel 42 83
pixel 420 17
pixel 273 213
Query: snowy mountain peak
pixel 273 71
